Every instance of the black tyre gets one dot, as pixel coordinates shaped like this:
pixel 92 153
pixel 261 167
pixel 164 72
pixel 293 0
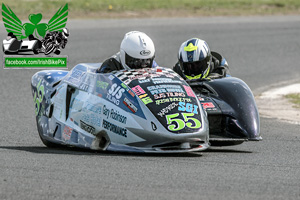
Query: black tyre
pixel 46 142
pixel 57 52
pixel 225 143
pixel 49 48
pixel 35 50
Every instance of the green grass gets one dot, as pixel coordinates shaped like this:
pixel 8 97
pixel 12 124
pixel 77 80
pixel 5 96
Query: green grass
pixel 294 98
pixel 148 8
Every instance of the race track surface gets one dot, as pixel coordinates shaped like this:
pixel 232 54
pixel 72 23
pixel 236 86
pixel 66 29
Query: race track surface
pixel 262 51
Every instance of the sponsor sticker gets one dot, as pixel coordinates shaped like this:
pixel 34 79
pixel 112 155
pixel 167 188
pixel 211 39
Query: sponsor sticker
pixel 147 100
pixel 188 107
pixel 138 90
pixel 114 128
pixel 129 105
pixel 207 105
pixel 102 84
pixel 115 93
pixel 154 127
pixel 88 128
pixel 166 110
pixel 174 99
pixel 189 91
pixel 145 52
pixel 67 133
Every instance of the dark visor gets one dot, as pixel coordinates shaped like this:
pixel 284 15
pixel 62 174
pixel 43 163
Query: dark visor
pixel 135 63
pixel 195 68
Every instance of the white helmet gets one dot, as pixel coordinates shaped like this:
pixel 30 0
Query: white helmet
pixel 195 59
pixel 136 50
pixel 65 32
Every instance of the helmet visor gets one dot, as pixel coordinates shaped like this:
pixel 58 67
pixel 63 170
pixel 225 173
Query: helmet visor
pixel 196 68
pixel 135 63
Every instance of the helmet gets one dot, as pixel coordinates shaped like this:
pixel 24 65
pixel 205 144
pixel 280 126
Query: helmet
pixel 65 32
pixel 136 50
pixel 195 59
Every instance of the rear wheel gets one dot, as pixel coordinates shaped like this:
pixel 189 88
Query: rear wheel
pixel 35 49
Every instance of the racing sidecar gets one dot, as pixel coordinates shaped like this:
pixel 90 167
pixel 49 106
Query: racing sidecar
pixel 14 46
pixel 146 110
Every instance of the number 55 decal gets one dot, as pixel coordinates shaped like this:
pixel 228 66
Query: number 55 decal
pixel 177 124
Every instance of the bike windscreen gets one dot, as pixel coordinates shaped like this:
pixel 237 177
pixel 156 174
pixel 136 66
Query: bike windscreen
pixel 168 97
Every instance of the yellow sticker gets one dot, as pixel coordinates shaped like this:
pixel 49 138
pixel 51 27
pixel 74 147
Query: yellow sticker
pixel 190 47
pixel 142 96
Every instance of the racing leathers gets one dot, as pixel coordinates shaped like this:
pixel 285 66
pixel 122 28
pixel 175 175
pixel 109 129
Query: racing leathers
pixel 58 36
pixel 114 64
pixel 219 67
pixel 54 36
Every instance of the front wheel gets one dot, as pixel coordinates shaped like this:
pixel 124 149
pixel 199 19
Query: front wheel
pixel 46 142
pixel 57 51
pixel 49 48
pixel 50 144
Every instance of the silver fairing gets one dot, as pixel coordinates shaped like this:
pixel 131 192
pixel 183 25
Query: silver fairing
pixel 150 110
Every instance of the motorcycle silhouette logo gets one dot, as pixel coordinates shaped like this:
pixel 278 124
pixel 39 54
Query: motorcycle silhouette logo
pixel 42 37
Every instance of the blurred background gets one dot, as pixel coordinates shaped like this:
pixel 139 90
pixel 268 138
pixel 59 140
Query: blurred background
pixel 154 8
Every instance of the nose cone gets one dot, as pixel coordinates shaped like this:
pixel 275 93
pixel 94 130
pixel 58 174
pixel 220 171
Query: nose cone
pixel 251 123
pixel 247 115
pixel 237 101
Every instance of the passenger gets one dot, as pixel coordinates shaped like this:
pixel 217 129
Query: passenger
pixel 197 62
pixel 11 35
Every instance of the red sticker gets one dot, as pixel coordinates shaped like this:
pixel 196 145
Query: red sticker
pixel 189 91
pixel 67 133
pixel 208 105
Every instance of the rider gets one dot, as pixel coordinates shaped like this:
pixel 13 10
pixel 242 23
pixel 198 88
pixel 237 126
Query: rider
pixel 60 36
pixel 197 62
pixel 137 51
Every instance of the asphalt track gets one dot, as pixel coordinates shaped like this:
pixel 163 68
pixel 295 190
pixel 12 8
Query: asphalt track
pixel 263 51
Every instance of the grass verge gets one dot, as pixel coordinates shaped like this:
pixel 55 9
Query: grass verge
pixel 294 98
pixel 153 8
